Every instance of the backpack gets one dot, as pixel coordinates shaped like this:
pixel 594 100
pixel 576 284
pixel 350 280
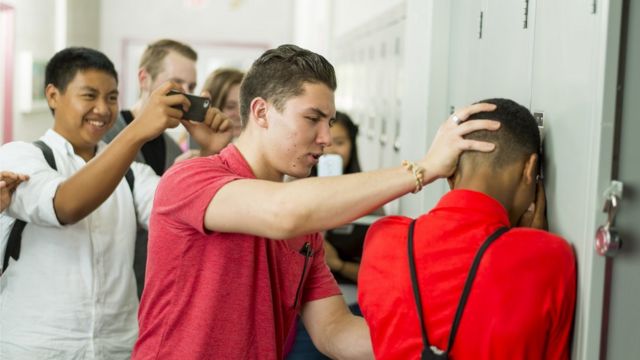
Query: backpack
pixel 15 236
pixel 430 352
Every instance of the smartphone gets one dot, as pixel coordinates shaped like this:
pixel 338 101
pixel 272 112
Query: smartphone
pixel 330 165
pixel 198 109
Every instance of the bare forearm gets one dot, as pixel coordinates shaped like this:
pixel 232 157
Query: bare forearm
pixel 348 339
pixel 324 203
pixel 87 189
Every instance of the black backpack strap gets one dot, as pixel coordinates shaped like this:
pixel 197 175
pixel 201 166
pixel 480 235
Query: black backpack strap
pixel 14 241
pixel 467 285
pixel 130 179
pixel 429 352
pixel 48 154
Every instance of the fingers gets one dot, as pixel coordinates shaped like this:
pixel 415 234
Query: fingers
pixel 13 176
pixel 11 180
pixel 475 145
pixel 471 126
pixel 216 120
pixel 206 94
pixel 463 114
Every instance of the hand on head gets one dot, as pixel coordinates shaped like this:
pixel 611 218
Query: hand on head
pixel 442 158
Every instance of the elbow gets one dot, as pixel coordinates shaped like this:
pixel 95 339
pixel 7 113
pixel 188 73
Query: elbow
pixel 69 216
pixel 288 220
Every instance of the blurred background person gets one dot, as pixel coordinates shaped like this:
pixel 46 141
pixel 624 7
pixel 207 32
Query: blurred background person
pixel 223 85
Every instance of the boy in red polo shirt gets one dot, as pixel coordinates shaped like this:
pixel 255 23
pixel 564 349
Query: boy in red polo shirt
pixel 234 252
pixel 521 300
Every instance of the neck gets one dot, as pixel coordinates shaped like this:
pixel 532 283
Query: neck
pixel 250 147
pixel 500 185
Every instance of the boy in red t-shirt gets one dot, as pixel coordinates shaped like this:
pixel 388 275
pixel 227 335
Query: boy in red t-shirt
pixel 234 252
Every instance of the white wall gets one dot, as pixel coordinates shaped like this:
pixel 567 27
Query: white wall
pixel 38 40
pixel 232 28
pixel 37 25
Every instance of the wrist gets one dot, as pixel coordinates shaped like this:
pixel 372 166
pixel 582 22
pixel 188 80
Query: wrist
pixel 341 267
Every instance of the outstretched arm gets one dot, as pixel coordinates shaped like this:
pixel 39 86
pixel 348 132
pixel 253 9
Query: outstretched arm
pixel 285 210
pixel 82 193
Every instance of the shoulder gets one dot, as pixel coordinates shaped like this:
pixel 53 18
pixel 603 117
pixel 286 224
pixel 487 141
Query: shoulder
pixel 18 155
pixel 209 165
pixel 389 225
pixel 556 251
pixel 385 233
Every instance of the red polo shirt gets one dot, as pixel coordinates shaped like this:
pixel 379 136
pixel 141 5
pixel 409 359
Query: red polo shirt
pixel 521 304
pixel 211 295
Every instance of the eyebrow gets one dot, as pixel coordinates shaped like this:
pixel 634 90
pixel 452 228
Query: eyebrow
pixel 321 114
pixel 181 81
pixel 94 90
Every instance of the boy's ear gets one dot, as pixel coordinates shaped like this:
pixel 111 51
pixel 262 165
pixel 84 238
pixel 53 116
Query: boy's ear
pixel 530 170
pixel 144 80
pixel 52 95
pixel 258 111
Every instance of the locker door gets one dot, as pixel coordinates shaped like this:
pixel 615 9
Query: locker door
pixel 491 51
pixel 623 315
pixel 570 87
pixel 464 49
pixel 506 51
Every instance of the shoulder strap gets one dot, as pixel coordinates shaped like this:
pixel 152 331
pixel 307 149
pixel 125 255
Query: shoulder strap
pixel 130 179
pixel 15 236
pixel 48 154
pixel 467 285
pixel 428 352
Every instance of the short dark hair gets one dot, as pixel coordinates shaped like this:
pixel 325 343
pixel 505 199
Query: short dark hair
pixel 63 66
pixel 517 138
pixel 352 129
pixel 280 74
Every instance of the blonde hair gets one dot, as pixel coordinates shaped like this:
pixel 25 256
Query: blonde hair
pixel 155 53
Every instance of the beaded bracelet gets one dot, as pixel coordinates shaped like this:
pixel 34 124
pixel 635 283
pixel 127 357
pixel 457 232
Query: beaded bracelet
pixel 417 171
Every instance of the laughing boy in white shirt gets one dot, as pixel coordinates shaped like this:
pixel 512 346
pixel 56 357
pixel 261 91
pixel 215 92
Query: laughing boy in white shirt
pixel 72 293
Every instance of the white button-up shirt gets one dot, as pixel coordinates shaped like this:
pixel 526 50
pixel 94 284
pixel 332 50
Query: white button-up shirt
pixel 72 293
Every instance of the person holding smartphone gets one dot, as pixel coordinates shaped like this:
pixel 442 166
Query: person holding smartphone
pixel 70 291
pixel 166 60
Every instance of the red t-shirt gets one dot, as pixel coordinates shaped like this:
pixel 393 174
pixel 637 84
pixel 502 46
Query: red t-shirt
pixel 211 295
pixel 520 306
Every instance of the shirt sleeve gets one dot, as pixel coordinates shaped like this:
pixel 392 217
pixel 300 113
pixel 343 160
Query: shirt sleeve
pixel 185 191
pixel 32 201
pixel 145 184
pixel 320 282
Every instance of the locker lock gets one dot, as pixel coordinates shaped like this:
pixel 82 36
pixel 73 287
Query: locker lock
pixel 608 240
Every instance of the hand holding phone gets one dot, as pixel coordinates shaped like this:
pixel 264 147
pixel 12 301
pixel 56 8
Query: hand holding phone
pixel 198 108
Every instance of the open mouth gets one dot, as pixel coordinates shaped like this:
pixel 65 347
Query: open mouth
pixel 97 123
